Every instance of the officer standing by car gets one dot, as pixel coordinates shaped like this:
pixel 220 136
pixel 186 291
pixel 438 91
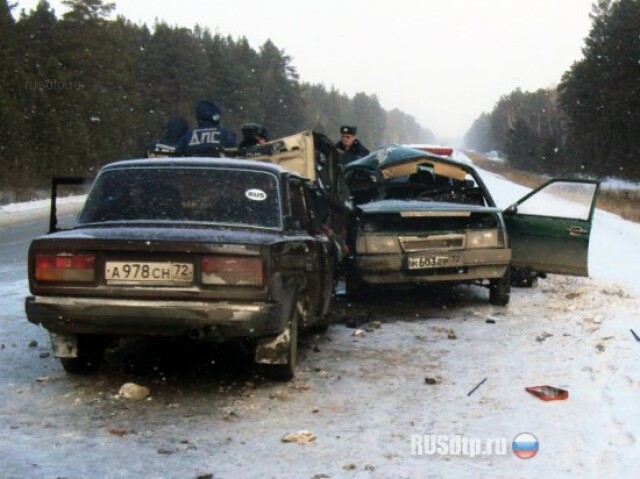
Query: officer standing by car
pixel 174 130
pixel 253 134
pixel 209 138
pixel 349 147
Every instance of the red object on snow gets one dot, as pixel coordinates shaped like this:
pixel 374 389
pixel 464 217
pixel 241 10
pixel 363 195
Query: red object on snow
pixel 548 393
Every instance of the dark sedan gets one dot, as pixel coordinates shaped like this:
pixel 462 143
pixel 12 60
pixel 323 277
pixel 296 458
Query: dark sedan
pixel 214 249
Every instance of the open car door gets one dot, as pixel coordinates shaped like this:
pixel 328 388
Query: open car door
pixel 550 227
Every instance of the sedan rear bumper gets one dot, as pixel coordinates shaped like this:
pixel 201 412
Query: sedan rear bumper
pixel 216 320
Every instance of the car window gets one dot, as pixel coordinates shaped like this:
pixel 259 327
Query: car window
pixel 561 199
pixel 210 195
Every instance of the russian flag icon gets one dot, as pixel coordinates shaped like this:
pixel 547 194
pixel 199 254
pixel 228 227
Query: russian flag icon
pixel 525 445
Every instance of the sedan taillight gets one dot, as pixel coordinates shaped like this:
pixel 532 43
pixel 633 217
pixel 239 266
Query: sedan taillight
pixel 232 271
pixel 65 267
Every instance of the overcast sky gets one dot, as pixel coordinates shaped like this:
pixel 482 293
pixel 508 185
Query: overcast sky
pixel 442 61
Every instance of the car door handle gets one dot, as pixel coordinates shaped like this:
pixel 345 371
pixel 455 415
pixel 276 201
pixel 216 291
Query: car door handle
pixel 577 231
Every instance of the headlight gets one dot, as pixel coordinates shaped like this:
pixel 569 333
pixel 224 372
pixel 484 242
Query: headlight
pixel 377 244
pixel 485 239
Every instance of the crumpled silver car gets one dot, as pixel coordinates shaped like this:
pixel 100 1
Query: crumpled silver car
pixel 426 218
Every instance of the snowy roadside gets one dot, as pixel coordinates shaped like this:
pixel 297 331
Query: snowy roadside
pixel 16 213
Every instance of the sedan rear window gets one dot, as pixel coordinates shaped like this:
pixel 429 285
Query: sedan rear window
pixel 209 195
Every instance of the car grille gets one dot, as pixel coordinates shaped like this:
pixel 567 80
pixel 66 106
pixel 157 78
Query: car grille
pixel 411 244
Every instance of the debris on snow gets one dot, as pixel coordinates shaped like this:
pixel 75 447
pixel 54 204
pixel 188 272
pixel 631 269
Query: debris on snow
pixel 476 387
pixel 357 321
pixel 280 395
pixel 133 391
pixel 431 381
pixel 230 416
pixel 300 437
pixel 452 334
pixel 118 432
pixel 33 343
pixel 372 326
pixel 548 393
pixel 543 336
pixel 299 386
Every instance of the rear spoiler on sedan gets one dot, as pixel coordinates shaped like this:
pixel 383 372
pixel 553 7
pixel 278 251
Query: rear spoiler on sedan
pixel 62 180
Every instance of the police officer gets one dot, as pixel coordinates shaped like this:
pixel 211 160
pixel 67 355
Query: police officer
pixel 174 130
pixel 349 147
pixel 253 134
pixel 209 137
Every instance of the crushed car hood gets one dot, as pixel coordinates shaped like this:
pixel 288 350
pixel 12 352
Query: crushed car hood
pixel 406 206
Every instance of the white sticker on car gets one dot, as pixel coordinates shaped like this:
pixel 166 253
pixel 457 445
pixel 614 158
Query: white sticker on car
pixel 255 194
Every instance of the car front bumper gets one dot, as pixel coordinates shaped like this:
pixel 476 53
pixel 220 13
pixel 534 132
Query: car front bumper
pixel 477 264
pixel 214 320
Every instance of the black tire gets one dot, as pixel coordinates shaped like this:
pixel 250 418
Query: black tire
pixel 500 290
pixel 286 372
pixel 322 324
pixel 90 356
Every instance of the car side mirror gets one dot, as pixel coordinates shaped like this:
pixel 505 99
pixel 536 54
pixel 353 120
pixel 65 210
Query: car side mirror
pixel 511 209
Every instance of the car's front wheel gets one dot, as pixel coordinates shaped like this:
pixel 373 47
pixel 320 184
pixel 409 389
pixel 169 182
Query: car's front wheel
pixel 90 356
pixel 500 290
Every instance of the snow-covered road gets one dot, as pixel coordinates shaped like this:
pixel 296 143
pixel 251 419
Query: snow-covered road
pixel 365 397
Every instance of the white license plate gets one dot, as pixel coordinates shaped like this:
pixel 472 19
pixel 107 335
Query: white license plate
pixel 434 261
pixel 161 273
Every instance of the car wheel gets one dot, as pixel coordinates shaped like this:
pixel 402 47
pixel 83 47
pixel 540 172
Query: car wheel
pixel 322 324
pixel 500 290
pixel 286 372
pixel 90 356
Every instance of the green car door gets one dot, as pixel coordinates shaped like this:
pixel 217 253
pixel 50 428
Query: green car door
pixel 550 227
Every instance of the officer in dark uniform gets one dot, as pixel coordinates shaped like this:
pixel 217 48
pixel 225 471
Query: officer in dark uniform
pixel 209 137
pixel 174 130
pixel 253 134
pixel 349 147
